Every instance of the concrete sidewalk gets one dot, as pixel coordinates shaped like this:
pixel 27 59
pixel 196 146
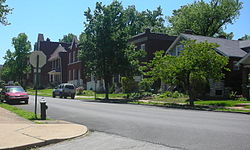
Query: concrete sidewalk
pixel 18 133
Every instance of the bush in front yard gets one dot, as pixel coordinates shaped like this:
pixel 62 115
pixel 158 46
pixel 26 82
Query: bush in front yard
pixel 79 90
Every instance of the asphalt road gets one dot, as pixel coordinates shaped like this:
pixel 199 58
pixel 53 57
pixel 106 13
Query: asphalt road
pixel 174 128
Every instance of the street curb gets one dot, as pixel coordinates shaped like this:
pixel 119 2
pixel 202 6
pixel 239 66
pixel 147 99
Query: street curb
pixel 246 113
pixel 45 143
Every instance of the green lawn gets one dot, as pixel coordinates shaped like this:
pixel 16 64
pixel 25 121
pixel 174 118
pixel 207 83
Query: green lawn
pixel 43 92
pixel 172 100
pixel 248 107
pixel 225 103
pixel 206 105
pixel 48 92
pixel 22 113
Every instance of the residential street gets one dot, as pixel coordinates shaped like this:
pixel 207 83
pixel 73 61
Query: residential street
pixel 174 128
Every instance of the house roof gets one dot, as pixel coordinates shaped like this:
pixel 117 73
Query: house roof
pixel 49 47
pixel 229 48
pixel 55 54
pixel 152 35
pixel 244 44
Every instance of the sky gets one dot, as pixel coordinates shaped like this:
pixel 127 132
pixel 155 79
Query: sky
pixel 55 18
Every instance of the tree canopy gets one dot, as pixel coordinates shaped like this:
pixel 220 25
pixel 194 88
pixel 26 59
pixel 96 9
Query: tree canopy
pixel 137 21
pixel 245 37
pixel 197 61
pixel 105 50
pixel 16 66
pixel 205 18
pixel 4 11
pixel 68 38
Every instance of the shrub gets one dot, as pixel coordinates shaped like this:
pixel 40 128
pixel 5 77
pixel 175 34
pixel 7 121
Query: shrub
pixel 79 90
pixel 174 94
pixel 112 88
pixel 232 94
pixel 136 96
pixel 145 85
pixel 129 85
pixel 16 84
pixel 1 84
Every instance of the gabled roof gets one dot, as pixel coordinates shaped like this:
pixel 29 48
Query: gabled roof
pixel 229 48
pixel 55 54
pixel 244 44
pixel 152 35
pixel 244 61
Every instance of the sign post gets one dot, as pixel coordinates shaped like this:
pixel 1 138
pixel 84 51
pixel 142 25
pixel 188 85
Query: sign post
pixel 37 60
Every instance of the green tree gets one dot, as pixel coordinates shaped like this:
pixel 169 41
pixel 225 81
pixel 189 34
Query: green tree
pixel 4 11
pixel 8 70
pixel 225 35
pixel 16 63
pixel 137 21
pixel 129 85
pixel 22 50
pixel 106 51
pixel 205 18
pixel 197 62
pixel 68 38
pixel 245 37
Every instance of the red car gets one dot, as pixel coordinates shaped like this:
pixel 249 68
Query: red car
pixel 12 94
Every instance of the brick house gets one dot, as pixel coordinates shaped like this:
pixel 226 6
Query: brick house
pixel 148 41
pixel 151 42
pixel 75 67
pixel 233 49
pixel 62 64
pixel 244 64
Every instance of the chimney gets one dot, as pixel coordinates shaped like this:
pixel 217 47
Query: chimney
pixel 188 31
pixel 147 30
pixel 40 37
pixel 222 36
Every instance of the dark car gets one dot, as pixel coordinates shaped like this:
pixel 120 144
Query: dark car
pixel 64 90
pixel 12 94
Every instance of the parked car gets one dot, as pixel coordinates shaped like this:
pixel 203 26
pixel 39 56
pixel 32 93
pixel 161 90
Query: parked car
pixel 64 90
pixel 11 94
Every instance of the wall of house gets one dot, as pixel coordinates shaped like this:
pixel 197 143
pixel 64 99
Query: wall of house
pixel 64 63
pixel 233 79
pixel 75 70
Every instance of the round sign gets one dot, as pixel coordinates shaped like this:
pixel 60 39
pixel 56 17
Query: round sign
pixel 33 59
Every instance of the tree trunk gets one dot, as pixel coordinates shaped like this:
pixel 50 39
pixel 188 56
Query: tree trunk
pixel 190 92
pixel 106 89
pixel 191 98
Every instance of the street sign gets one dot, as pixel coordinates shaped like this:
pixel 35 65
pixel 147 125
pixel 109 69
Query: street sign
pixel 33 59
pixel 37 60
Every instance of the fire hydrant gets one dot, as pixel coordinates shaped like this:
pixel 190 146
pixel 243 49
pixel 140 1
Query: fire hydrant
pixel 44 107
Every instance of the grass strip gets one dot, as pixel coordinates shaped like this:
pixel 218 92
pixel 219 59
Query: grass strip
pixel 232 110
pixel 200 107
pixel 20 112
pixel 225 103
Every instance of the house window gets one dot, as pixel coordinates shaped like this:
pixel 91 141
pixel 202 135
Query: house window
pixel 76 56
pixel 76 74
pixel 179 48
pixel 79 74
pixel 69 57
pixel 74 53
pixel 218 92
pixel 73 73
pixel 69 75
pixel 235 67
pixel 53 65
pixel 143 46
